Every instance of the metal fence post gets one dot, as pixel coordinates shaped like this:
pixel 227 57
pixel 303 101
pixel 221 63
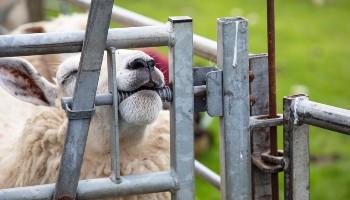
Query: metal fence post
pixel 260 137
pixel 113 89
pixel 181 111
pixel 296 152
pixel 234 138
pixel 84 98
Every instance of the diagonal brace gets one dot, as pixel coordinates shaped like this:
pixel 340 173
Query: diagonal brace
pixel 83 98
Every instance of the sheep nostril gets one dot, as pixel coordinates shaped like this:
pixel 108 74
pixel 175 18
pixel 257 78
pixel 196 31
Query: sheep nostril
pixel 137 64
pixel 151 64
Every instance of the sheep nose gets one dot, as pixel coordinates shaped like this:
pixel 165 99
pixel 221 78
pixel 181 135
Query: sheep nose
pixel 140 63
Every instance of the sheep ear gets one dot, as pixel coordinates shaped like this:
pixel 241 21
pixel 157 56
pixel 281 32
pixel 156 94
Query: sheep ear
pixel 19 78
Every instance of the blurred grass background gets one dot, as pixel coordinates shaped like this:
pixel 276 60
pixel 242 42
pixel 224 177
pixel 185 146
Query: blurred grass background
pixel 313 56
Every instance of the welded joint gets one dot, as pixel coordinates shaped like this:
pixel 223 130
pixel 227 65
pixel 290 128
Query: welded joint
pixel 176 181
pixel 298 99
pixel 76 114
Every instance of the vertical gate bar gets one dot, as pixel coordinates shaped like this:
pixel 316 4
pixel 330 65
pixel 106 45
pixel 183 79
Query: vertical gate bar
pixel 113 89
pixel 296 152
pixel 234 137
pixel 181 111
pixel 270 4
pixel 260 137
pixel 83 98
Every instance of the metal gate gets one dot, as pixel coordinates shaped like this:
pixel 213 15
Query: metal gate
pixel 236 91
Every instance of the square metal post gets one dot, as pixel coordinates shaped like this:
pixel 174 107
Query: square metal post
pixel 234 137
pixel 83 99
pixel 296 152
pixel 181 111
pixel 260 137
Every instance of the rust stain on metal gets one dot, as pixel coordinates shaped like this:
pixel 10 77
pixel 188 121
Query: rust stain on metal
pixel 251 76
pixel 252 100
pixel 265 166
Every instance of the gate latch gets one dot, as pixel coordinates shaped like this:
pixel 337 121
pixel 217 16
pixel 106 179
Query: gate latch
pixel 269 163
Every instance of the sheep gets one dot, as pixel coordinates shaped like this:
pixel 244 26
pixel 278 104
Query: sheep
pixel 33 157
pixel 13 13
pixel 47 64
pixel 12 122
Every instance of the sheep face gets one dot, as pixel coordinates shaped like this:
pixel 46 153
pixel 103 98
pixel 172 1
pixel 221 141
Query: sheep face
pixel 136 71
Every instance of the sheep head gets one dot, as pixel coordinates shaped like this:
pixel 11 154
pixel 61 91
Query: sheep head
pixel 135 71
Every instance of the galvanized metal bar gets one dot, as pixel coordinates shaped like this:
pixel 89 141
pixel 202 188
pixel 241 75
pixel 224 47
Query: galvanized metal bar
pixel 203 47
pixel 99 188
pixel 181 111
pixel 69 42
pixel 323 116
pixel 165 94
pixel 260 135
pixel 263 121
pixel 207 174
pixel 234 138
pixel 112 87
pixel 296 153
pixel 83 98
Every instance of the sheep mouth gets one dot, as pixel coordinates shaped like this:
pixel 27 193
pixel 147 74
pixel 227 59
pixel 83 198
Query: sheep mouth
pixel 123 95
pixel 144 87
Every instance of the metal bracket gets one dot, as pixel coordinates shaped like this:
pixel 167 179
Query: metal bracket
pixel 269 163
pixel 76 114
pixel 214 93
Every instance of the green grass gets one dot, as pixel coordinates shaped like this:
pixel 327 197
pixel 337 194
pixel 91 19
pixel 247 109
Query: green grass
pixel 312 44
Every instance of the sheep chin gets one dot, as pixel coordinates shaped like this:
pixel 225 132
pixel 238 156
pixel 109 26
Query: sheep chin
pixel 141 108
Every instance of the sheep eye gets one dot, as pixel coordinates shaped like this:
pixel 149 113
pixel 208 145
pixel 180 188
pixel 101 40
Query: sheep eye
pixel 68 76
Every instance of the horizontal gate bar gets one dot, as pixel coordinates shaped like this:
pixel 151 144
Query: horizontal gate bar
pixel 264 121
pixel 202 46
pixel 207 174
pixel 99 188
pixel 69 42
pixel 321 115
pixel 165 94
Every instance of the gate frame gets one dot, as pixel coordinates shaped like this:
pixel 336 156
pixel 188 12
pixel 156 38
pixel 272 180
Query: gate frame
pixel 299 112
